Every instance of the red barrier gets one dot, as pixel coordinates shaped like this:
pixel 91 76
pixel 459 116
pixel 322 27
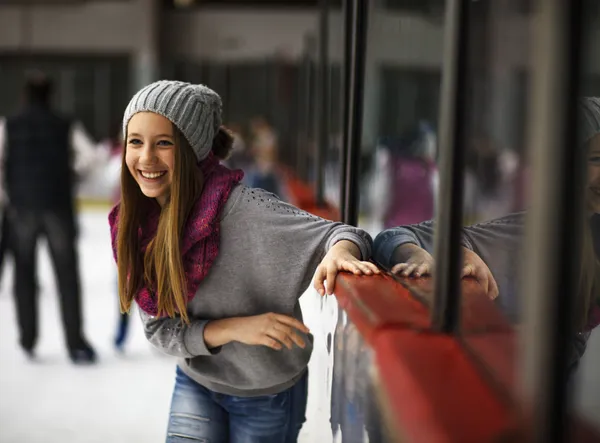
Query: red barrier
pixel 302 195
pixel 439 388
pixel 378 302
pixel 437 394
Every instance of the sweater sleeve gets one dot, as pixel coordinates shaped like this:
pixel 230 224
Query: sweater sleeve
pixel 499 243
pixel 507 232
pixel 296 228
pixel 421 234
pixel 285 241
pixel 484 238
pixel 387 241
pixel 173 337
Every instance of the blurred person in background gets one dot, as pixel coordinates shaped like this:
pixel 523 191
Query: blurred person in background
pixel 491 175
pixel 405 182
pixel 492 251
pixel 264 152
pixel 41 153
pixel 217 270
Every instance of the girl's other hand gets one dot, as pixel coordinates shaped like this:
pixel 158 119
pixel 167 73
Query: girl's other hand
pixel 343 256
pixel 271 330
pixel 413 261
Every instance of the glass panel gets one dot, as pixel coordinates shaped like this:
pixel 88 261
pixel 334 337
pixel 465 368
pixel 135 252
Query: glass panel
pixel 401 106
pixel 399 164
pixel 399 171
pixel 496 182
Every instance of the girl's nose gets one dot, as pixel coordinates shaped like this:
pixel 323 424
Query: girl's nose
pixel 147 155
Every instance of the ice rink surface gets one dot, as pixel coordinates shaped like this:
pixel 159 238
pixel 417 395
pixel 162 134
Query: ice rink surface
pixel 125 398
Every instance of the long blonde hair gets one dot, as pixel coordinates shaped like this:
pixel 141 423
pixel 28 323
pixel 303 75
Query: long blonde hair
pixel 162 265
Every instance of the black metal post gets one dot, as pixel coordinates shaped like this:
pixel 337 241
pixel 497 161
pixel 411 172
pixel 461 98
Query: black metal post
pixel 346 92
pixel 453 120
pixel 556 219
pixel 353 137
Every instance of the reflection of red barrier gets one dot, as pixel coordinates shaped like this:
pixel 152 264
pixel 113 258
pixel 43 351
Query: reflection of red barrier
pixel 439 388
pixel 437 393
pixel 302 195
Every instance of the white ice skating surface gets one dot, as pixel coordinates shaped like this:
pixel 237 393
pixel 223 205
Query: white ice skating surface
pixel 125 399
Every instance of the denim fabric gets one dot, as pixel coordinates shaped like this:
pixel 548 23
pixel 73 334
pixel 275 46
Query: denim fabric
pixel 201 415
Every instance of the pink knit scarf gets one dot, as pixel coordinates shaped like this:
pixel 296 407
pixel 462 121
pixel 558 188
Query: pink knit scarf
pixel 200 241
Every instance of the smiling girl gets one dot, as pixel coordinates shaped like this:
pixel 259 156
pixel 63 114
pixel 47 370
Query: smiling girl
pixel 217 269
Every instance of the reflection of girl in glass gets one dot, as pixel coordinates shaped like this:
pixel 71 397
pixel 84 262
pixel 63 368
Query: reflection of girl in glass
pixel 405 178
pixel 491 248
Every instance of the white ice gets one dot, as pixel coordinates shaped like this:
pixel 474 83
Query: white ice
pixel 125 398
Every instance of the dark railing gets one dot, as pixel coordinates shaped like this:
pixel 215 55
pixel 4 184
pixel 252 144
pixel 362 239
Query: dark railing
pixel 453 120
pixel 355 73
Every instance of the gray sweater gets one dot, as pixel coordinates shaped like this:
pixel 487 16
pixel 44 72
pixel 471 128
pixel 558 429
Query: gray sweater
pixel 269 251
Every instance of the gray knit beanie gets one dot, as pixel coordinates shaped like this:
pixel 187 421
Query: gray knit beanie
pixel 590 117
pixel 194 109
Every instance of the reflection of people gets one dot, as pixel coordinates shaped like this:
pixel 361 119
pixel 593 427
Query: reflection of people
pixel 264 151
pixel 217 269
pixel 354 405
pixel 491 173
pixel 39 178
pixel 491 247
pixel 404 187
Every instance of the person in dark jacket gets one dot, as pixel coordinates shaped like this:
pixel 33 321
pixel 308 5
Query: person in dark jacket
pixel 39 164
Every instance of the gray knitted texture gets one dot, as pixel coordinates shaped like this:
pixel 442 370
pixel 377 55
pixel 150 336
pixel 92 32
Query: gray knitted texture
pixel 194 109
pixel 590 116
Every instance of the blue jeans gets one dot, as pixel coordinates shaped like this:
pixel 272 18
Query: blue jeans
pixel 200 415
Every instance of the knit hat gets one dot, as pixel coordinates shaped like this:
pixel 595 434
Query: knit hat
pixel 194 109
pixel 590 117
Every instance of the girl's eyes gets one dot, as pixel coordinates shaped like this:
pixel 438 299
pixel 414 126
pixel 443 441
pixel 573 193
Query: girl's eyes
pixel 594 159
pixel 163 143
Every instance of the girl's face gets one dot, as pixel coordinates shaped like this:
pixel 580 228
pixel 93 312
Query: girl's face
pixel 593 174
pixel 150 154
